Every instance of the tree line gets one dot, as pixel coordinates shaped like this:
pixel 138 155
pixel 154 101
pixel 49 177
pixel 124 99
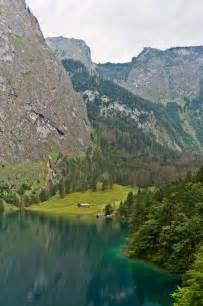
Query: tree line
pixel 166 227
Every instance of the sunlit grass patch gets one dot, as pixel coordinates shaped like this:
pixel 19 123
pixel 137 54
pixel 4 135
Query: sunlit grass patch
pixel 97 201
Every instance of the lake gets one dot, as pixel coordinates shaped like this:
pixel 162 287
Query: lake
pixel 57 262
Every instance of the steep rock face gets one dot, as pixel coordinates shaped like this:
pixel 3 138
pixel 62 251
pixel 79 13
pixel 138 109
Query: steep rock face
pixel 39 109
pixel 167 76
pixel 173 78
pixel 70 48
pixel 161 76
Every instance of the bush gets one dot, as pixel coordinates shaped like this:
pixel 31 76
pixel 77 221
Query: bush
pixel 108 210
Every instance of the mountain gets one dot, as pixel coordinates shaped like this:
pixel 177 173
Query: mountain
pixel 166 76
pixel 108 97
pixel 39 109
pixel 137 141
pixel 70 48
pixel 173 78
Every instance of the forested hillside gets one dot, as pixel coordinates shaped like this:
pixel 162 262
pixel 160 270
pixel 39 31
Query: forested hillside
pixel 166 227
pixel 138 137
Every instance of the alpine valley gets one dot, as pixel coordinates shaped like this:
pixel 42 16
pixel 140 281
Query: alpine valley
pixel 146 110
pixel 101 184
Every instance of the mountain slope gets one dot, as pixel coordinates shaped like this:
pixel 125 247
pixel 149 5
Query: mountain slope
pixel 148 124
pixel 173 78
pixel 39 108
pixel 169 125
pixel 140 142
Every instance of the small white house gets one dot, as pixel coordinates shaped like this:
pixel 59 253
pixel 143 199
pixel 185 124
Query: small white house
pixel 83 205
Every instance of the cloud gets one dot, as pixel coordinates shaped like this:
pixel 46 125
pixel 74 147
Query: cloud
pixel 117 30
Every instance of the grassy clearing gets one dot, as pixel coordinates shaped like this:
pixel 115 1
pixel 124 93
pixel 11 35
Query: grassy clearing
pixel 32 173
pixel 97 200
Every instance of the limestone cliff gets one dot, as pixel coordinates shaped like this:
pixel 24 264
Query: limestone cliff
pixel 70 48
pixel 39 109
pixel 161 76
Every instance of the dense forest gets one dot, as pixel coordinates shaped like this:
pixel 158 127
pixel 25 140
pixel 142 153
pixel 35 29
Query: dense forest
pixel 166 228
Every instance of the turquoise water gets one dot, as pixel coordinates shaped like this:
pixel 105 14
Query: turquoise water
pixel 55 262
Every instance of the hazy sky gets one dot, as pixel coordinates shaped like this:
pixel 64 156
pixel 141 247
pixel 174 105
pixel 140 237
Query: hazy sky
pixel 117 30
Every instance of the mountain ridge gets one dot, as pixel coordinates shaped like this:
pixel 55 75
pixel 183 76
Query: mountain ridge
pixel 179 133
pixel 160 75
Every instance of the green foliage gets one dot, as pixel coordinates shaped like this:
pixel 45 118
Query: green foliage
pixel 53 188
pixel 200 175
pixel 191 294
pixel 93 185
pixel 97 200
pixel 62 189
pixel 34 198
pixel 166 225
pixel 67 185
pixel 23 188
pixel 83 173
pixel 20 184
pixel 29 174
pixel 108 210
pixel 126 207
pixel 44 196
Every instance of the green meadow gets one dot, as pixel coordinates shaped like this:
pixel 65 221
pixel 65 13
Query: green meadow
pixel 97 200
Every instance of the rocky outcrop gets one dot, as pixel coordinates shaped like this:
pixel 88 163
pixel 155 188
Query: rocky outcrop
pixel 167 76
pixel 70 48
pixel 161 76
pixel 39 110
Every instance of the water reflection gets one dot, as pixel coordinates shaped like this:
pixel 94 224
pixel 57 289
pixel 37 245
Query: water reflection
pixel 55 262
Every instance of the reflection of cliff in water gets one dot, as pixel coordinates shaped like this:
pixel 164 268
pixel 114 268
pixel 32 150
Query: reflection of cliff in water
pixel 45 260
pixel 55 262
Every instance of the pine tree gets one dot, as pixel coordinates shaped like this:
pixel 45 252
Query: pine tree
pixel 43 196
pixel 200 175
pixel 62 189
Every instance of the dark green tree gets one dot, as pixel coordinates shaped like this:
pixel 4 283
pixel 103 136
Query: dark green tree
pixel 43 196
pixel 108 210
pixel 62 190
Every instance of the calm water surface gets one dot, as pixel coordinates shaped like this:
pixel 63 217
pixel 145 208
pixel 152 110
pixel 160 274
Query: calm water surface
pixel 55 262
